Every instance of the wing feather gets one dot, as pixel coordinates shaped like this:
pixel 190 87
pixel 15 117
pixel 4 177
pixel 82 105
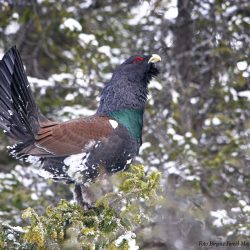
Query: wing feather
pixel 71 137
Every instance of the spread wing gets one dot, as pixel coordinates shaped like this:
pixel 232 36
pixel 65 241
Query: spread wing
pixel 71 137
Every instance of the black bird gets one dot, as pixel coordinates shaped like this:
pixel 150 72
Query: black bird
pixel 80 150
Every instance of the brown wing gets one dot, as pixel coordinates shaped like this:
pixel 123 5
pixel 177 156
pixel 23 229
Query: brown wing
pixel 71 137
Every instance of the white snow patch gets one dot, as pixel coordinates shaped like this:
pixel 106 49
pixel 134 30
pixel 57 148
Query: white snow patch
pixel 171 168
pixel 155 84
pixel 234 94
pixel 245 74
pixel 70 96
pixel 222 218
pixel 236 209
pixel 10 236
pixel 75 111
pixel 39 82
pixel 229 10
pixel 12 28
pixel 68 54
pixel 242 65
pixel 144 146
pixel 246 209
pixel 85 4
pixel 171 131
pixel 207 122
pixel 1 53
pixel 71 24
pixel 155 161
pixel 60 77
pixel 194 100
pixel 34 196
pixel 139 12
pixel 179 244
pixel 188 134
pixel 15 15
pixel 216 121
pixel 45 174
pixel 192 178
pixel 246 19
pixel 165 112
pixel 49 193
pixel 175 96
pixel 130 237
pixel 105 50
pixel 169 40
pixel 86 39
pixel 226 98
pixel 179 138
pixel 194 141
pixel 78 72
pixel 245 93
pixel 242 203
pixel 172 11
pixel 116 51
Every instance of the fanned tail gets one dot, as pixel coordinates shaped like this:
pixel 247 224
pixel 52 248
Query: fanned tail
pixel 19 114
pixel 21 118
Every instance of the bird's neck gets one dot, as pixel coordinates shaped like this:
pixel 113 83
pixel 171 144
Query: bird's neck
pixel 131 119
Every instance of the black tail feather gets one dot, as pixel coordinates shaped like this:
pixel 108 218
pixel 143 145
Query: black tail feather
pixel 19 114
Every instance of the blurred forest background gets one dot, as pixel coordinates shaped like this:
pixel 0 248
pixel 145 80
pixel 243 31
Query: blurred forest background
pixel 197 121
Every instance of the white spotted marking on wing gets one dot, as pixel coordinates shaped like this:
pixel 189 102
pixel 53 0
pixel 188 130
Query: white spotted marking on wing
pixel 45 174
pixel 32 159
pixel 129 161
pixel 76 164
pixel 113 123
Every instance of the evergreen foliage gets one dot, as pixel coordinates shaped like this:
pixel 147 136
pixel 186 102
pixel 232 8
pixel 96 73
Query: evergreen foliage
pixel 113 217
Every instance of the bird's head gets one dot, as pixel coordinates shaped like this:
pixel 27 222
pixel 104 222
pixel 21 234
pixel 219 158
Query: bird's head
pixel 127 88
pixel 139 68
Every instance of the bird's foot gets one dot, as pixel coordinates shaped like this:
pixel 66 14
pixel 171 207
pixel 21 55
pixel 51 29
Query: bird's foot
pixel 81 196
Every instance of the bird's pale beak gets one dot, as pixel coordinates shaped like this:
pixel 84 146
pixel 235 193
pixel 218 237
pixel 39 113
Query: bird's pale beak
pixel 154 58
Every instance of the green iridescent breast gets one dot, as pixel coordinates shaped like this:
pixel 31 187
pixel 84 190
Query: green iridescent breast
pixel 131 119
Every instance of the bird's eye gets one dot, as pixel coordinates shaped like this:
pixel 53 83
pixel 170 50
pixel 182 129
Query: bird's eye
pixel 137 59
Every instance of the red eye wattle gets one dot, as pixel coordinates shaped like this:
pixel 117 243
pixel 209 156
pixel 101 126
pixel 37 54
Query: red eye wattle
pixel 137 59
